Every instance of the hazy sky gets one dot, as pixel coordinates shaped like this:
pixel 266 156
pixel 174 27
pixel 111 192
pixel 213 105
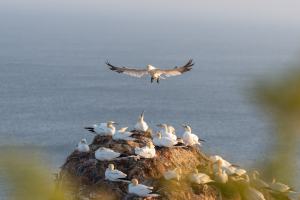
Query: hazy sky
pixel 267 11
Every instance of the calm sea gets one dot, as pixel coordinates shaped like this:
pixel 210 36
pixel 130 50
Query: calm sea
pixel 53 80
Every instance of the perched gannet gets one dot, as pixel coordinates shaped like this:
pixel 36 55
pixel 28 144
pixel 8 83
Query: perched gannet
pixel 227 166
pixel 257 182
pixel 189 138
pixel 167 131
pixel 103 128
pixel 199 178
pixel 113 174
pixel 253 194
pixel 163 141
pixel 141 125
pixel 279 187
pixel 147 151
pixel 106 154
pixel 83 146
pixel 155 73
pixel 122 134
pixel 236 171
pixel 293 195
pixel 173 174
pixel 215 158
pixel 171 129
pixel 141 190
pixel 221 176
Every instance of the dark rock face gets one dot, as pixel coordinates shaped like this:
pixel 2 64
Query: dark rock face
pixel 84 175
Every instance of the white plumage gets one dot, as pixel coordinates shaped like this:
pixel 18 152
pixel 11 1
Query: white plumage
pixel 199 178
pixel 172 174
pixel 103 129
pixel 113 174
pixel 163 141
pixel 83 146
pixel 122 134
pixel 141 125
pixel 279 187
pixel 106 154
pixel 147 151
pixel 167 131
pixel 139 189
pixel 189 138
pixel 221 175
pixel 253 194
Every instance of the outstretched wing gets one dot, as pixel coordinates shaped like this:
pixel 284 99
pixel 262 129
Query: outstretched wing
pixel 177 70
pixel 129 71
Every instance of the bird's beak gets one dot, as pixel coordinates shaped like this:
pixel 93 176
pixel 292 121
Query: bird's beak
pixel 159 125
pixel 115 123
pixel 201 140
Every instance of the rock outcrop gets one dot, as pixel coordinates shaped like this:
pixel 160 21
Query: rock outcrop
pixel 84 175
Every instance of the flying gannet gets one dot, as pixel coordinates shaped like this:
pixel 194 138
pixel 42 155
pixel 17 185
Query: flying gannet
pixel 155 73
pixel 173 174
pixel 83 146
pixel 141 190
pixel 106 154
pixel 164 141
pixel 141 125
pixel 147 151
pixel 189 138
pixel 122 134
pixel 103 129
pixel 113 174
pixel 199 178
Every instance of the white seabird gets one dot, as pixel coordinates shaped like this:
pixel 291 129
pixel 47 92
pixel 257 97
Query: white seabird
pixel 253 194
pixel 173 174
pixel 199 178
pixel 83 146
pixel 163 141
pixel 106 154
pixel 155 73
pixel 189 138
pixel 103 129
pixel 141 190
pixel 122 134
pixel 279 187
pixel 147 151
pixel 257 182
pixel 215 158
pixel 227 166
pixel 141 125
pixel 167 131
pixel 113 174
pixel 221 176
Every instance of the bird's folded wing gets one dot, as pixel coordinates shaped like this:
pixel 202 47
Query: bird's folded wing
pixel 177 70
pixel 129 71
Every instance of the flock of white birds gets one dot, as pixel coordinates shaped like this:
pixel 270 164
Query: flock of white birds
pixel 220 169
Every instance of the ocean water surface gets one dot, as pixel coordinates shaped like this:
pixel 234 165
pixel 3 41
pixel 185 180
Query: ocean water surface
pixel 53 80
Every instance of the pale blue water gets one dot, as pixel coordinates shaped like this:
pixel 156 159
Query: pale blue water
pixel 53 80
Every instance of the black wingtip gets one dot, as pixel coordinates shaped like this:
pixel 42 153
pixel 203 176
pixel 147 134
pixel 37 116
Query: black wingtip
pixel 90 129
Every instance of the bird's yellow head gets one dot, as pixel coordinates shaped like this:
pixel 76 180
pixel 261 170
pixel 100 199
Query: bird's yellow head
pixel 111 166
pixel 150 67
pixel 187 128
pixel 134 181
